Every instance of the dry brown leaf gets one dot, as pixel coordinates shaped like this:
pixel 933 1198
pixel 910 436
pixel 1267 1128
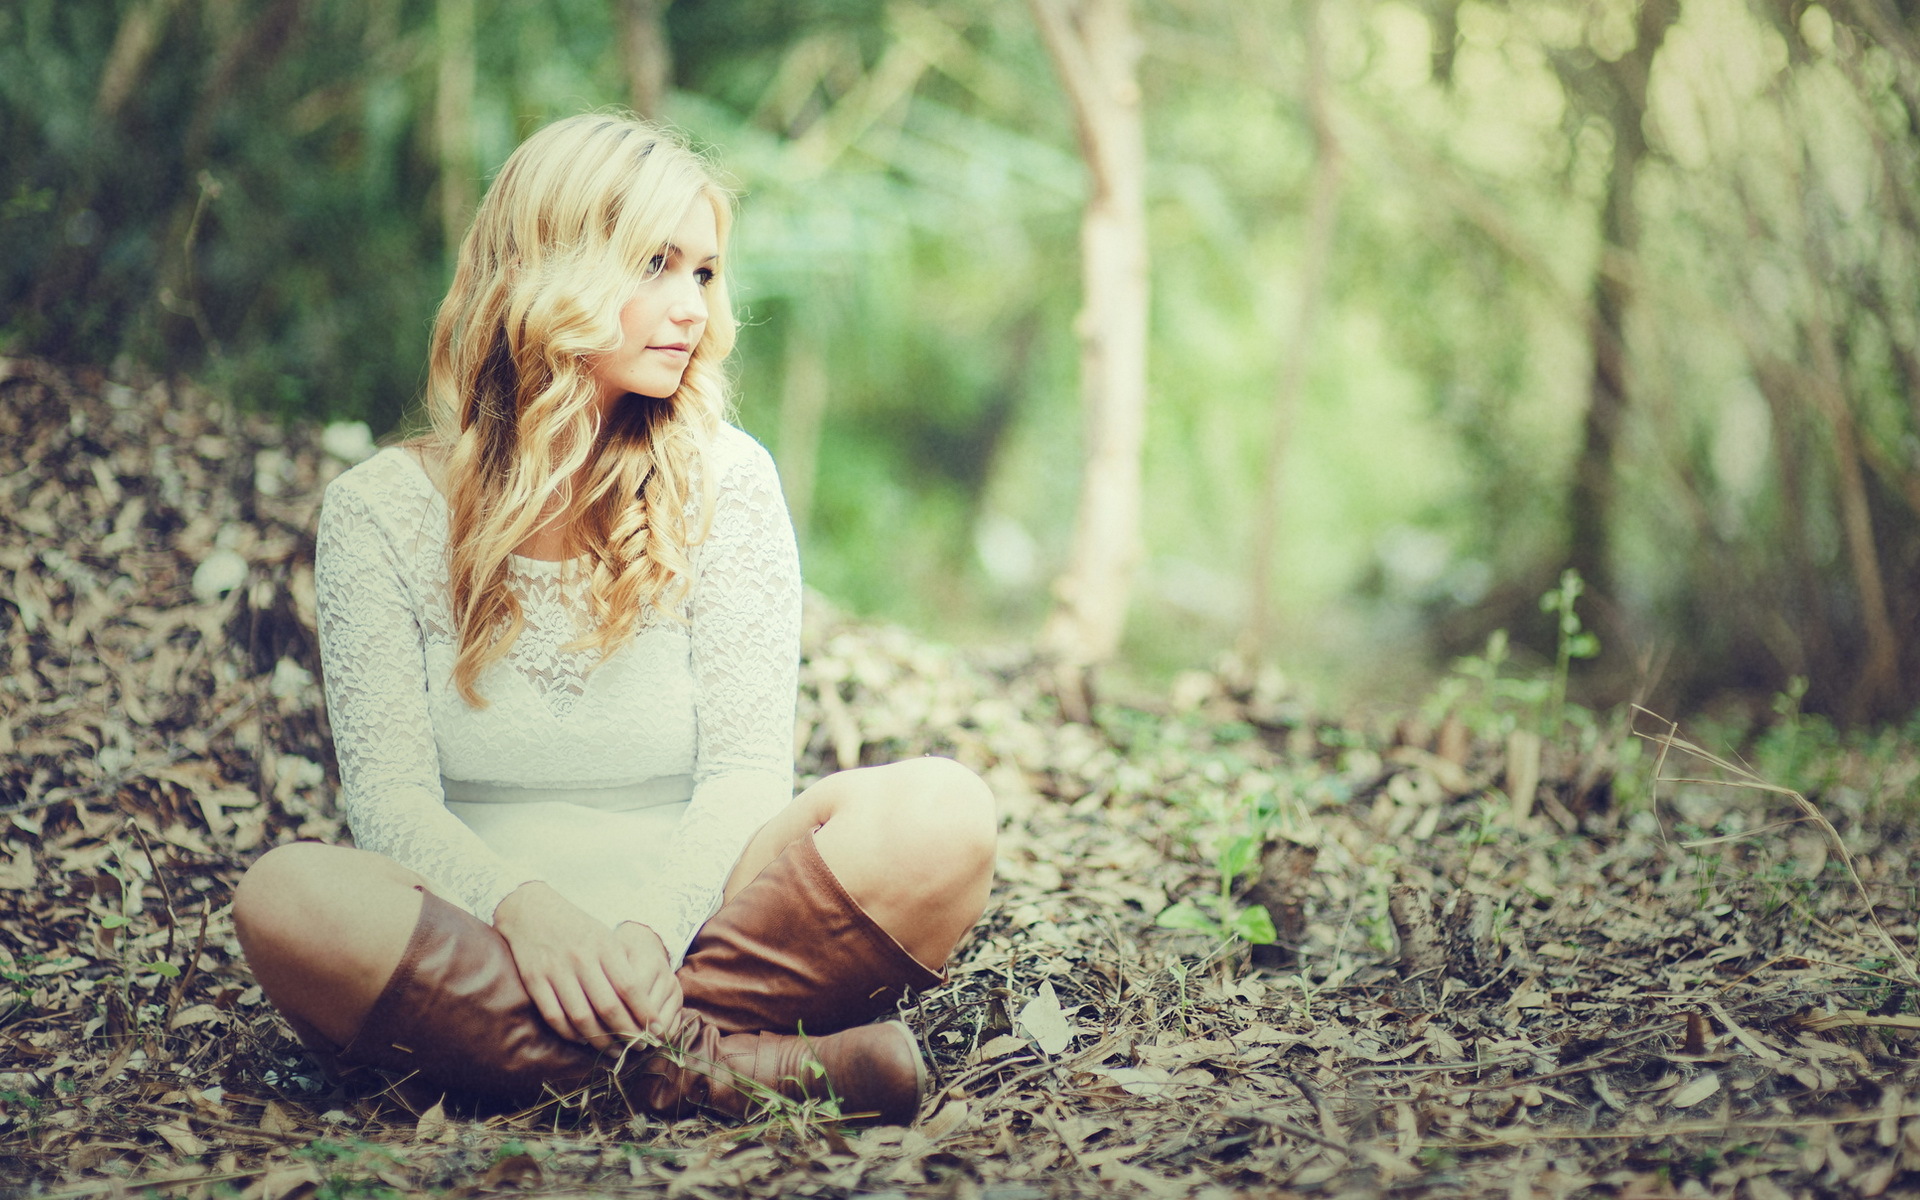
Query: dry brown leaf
pixel 1873 1179
pixel 17 872
pixel 177 1135
pixel 1695 1090
pixel 951 1118
pixel 195 1014
pixel 999 1047
pixel 432 1123
pixel 1851 1018
pixel 281 1181
pixel 1759 1187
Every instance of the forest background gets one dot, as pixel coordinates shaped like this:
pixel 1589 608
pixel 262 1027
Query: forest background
pixel 1446 295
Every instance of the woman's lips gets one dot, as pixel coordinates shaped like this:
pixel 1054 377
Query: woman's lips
pixel 675 349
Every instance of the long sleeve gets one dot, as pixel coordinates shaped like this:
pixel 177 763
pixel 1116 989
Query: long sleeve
pixel 372 652
pixel 745 610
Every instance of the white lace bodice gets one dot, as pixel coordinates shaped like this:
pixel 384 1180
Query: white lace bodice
pixel 712 697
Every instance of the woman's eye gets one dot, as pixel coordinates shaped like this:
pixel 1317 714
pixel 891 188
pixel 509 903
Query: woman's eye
pixel 656 264
pixel 705 275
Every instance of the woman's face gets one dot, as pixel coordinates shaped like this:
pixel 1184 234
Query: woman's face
pixel 663 320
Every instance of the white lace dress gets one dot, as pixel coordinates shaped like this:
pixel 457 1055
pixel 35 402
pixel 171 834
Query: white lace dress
pixel 696 718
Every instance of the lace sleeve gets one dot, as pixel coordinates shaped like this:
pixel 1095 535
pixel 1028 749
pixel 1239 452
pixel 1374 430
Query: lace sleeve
pixel 745 607
pixel 376 683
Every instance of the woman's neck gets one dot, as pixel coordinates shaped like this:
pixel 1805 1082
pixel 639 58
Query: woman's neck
pixel 549 543
pixel 553 539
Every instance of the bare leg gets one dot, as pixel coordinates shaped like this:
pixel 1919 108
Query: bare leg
pixel 912 842
pixel 323 928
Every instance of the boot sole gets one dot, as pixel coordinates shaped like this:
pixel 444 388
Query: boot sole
pixel 919 1068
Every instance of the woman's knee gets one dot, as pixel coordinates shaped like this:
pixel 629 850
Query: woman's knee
pixel 965 813
pixel 946 814
pixel 277 890
pixel 296 892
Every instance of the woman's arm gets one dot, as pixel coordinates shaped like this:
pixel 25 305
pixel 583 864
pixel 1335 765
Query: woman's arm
pixel 373 658
pixel 745 606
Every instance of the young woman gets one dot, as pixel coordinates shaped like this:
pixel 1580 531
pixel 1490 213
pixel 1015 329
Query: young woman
pixel 560 636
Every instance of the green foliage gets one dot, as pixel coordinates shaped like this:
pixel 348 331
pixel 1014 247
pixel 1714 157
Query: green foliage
pixel 1178 969
pixel 1571 641
pixel 254 203
pixel 1219 918
pixel 641 1150
pixel 1493 703
pixel 1798 750
pixel 1483 698
pixel 352 1168
pixel 1215 913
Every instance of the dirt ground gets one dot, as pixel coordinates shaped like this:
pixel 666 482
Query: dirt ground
pixel 1620 985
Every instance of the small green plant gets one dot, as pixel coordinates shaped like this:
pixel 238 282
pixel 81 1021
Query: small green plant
pixel 1373 913
pixel 1706 874
pixel 1491 702
pixel 1483 831
pixel 636 1152
pixel 1307 993
pixel 350 1187
pixel 1480 696
pixel 26 1109
pixel 1781 887
pixel 17 995
pixel 1571 641
pixel 1800 750
pixel 14 1098
pixel 1215 913
pixel 352 1168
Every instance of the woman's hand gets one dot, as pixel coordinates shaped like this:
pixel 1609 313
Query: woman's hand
pixel 649 955
pixel 592 984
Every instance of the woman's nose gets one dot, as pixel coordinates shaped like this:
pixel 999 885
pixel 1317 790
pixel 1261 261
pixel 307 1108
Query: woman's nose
pixel 690 305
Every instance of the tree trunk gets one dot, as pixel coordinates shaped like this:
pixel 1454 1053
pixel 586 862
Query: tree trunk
pixel 1323 216
pixel 803 409
pixel 1804 621
pixel 1095 50
pixel 645 54
pixel 453 119
pixel 1590 506
pixel 1877 680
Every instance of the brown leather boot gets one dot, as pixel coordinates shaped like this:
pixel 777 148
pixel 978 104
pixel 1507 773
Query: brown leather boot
pixel 793 952
pixel 455 1019
pixel 870 1072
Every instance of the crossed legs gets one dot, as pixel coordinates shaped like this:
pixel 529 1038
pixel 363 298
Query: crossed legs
pixel 912 842
pixel 324 927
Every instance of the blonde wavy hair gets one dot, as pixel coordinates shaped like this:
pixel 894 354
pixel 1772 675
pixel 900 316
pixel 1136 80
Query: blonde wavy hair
pixel 572 221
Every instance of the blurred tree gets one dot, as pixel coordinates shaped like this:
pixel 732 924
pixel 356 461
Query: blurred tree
pixel 645 54
pixel 1095 51
pixel 1631 280
pixel 1611 81
pixel 1833 375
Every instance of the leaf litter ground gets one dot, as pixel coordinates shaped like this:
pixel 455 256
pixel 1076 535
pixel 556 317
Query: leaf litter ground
pixel 1472 997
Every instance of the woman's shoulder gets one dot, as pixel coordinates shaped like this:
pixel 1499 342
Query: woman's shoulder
pixel 394 474
pixel 388 497
pixel 737 459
